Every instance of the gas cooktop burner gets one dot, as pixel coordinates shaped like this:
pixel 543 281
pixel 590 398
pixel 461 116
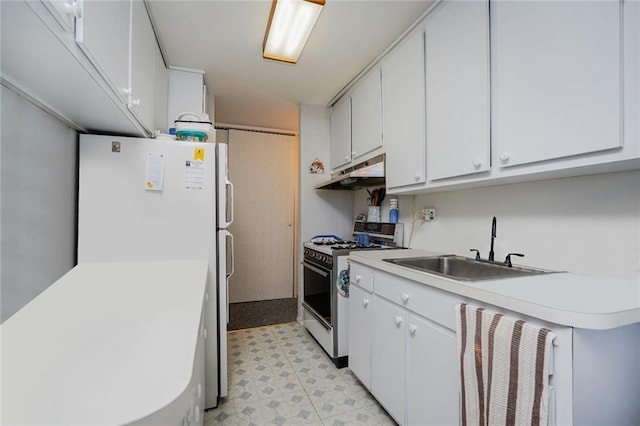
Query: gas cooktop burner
pixel 354 246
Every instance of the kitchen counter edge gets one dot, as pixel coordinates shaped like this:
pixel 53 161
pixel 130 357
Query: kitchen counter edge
pixel 568 299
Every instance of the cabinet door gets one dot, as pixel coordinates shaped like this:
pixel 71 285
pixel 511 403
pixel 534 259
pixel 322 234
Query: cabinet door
pixel 556 88
pixel 457 89
pixel 360 334
pixel 388 357
pixel 102 32
pixel 366 115
pixel 186 91
pixel 432 374
pixel 64 11
pixel 403 112
pixel 160 93
pixel 143 48
pixel 341 133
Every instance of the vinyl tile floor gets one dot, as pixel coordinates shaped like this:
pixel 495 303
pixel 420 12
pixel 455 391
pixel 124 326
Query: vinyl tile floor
pixel 279 375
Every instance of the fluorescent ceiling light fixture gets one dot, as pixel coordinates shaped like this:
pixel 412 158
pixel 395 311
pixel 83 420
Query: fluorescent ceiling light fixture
pixel 289 27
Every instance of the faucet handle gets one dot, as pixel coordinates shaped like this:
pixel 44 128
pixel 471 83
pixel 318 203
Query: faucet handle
pixel 477 253
pixel 507 261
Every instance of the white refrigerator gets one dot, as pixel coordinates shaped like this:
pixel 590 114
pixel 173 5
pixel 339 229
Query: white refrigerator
pixel 152 199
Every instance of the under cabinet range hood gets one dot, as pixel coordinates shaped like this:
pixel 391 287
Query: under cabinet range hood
pixel 362 175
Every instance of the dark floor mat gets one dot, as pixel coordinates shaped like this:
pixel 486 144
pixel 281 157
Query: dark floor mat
pixel 264 312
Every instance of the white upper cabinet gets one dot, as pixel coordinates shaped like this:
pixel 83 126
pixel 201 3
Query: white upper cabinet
pixel 64 11
pixel 457 89
pixel 186 93
pixel 341 133
pixel 403 112
pixel 556 79
pixel 102 32
pixel 160 93
pixel 366 115
pixel 118 39
pixel 142 65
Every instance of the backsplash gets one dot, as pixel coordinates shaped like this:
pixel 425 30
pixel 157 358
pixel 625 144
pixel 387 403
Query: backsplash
pixel 587 225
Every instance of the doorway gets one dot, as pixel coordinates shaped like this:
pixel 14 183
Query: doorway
pixel 263 168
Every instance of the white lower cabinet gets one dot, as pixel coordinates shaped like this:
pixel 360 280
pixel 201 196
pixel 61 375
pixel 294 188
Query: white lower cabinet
pixel 403 348
pixel 388 357
pixel 360 334
pixel 414 366
pixel 431 374
pixel 408 362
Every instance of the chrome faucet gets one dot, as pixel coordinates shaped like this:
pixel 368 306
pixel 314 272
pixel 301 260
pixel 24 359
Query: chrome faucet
pixel 492 255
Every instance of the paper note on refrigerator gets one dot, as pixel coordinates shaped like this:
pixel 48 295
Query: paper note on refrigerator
pixel 194 174
pixel 154 172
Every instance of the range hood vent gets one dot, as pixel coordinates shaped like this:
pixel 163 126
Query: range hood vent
pixel 362 175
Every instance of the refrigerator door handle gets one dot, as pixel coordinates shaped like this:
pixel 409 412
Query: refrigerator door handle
pixel 233 255
pixel 229 202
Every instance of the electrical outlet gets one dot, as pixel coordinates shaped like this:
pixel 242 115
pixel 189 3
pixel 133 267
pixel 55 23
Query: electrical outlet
pixel 429 214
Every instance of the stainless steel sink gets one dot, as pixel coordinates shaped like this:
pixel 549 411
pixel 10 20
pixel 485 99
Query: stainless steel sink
pixel 464 269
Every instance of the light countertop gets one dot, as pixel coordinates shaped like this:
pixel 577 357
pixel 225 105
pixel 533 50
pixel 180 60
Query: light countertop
pixel 562 298
pixel 108 343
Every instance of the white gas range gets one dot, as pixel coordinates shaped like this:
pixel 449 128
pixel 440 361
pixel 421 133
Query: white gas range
pixel 326 280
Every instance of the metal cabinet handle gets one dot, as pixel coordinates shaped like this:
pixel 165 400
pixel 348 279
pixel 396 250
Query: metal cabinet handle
pixel 405 298
pixel 365 302
pixel 504 157
pixel 412 329
pixel 358 278
pixel 477 163
pixel 398 320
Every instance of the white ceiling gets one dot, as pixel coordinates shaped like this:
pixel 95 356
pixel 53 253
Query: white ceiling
pixel 224 38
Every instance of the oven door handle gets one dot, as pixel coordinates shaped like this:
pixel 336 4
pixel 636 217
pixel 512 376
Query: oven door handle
pixel 321 321
pixel 314 269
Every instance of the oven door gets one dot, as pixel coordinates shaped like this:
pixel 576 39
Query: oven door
pixel 317 292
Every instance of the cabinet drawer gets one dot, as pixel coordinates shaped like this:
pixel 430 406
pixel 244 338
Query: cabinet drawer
pixel 361 276
pixel 437 305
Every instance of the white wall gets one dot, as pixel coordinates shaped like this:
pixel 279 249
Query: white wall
pixel 587 225
pixel 38 201
pixel 321 211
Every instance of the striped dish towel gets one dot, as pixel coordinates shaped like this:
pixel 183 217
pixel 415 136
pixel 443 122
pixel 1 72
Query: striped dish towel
pixel 504 369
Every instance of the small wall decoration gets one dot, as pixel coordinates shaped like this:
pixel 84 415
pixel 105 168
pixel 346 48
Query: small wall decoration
pixel 317 167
